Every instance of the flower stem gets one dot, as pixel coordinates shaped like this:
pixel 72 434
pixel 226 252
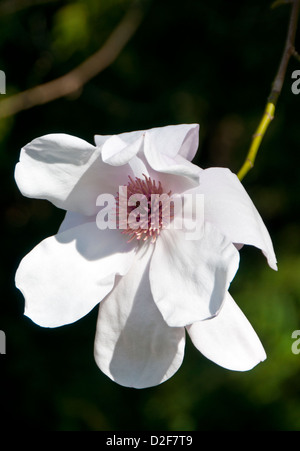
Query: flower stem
pixel 269 111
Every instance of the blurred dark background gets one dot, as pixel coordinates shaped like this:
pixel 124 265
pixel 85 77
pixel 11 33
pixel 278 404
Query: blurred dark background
pixel 194 61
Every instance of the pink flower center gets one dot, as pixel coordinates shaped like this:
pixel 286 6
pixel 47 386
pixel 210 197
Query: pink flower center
pixel 143 209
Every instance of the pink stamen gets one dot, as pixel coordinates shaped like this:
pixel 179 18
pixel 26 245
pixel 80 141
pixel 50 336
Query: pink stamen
pixel 145 229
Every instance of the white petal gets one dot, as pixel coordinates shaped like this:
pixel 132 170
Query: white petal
pixel 67 171
pixel 176 140
pixel 116 152
pixel 127 137
pixel 165 150
pixel 66 275
pixel 228 339
pixel 133 345
pixel 230 209
pixel 171 140
pixel 72 219
pixel 189 278
pixel 119 152
pixel 162 151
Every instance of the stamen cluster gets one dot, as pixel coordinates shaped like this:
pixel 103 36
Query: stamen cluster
pixel 146 202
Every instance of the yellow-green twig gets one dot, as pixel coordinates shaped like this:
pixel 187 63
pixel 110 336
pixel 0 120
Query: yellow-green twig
pixel 256 139
pixel 269 111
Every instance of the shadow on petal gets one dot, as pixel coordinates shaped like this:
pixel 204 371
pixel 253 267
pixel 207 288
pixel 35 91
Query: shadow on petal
pixel 95 244
pixel 147 351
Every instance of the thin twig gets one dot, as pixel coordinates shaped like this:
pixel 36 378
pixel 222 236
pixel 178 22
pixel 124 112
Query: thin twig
pixel 269 111
pixel 296 56
pixel 74 80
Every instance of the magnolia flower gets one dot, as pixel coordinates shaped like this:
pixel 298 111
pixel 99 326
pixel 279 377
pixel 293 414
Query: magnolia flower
pixel 153 284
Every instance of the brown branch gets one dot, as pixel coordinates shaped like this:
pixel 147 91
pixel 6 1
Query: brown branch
pixel 268 114
pixel 78 77
pixel 289 50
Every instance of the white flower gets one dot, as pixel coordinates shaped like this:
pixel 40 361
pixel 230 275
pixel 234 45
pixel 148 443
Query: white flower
pixel 151 291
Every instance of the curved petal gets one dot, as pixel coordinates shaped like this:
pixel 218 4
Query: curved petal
pixel 165 150
pixel 162 151
pixel 66 275
pixel 127 137
pixel 133 345
pixel 189 278
pixel 172 140
pixel 116 152
pixel 229 340
pixel 67 171
pixel 230 209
